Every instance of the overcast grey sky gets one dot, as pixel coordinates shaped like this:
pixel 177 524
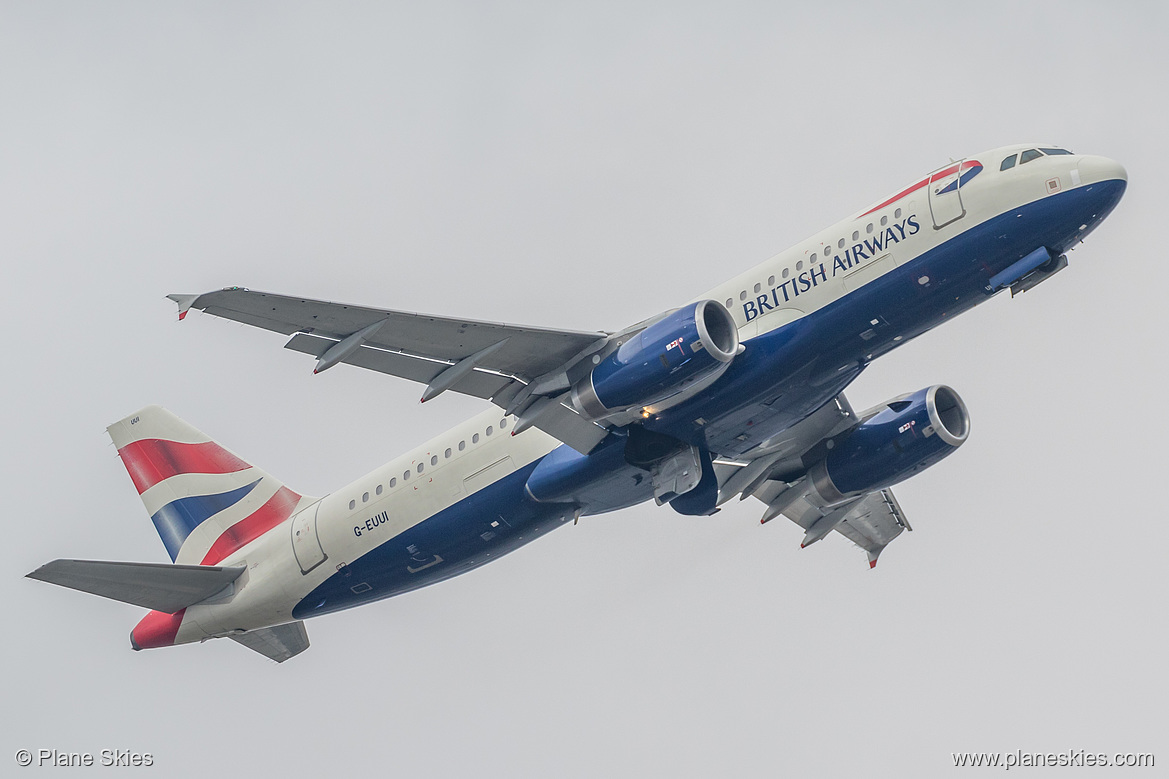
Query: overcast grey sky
pixel 580 166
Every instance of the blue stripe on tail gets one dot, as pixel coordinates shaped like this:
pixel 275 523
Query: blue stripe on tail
pixel 178 519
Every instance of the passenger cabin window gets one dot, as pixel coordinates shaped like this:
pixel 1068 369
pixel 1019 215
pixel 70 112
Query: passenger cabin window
pixel 1027 156
pixel 1053 152
pixel 352 505
pixel 1009 162
pixel 379 489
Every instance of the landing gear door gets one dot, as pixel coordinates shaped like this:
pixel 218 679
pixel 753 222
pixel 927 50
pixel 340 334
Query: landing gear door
pixel 306 544
pixel 945 195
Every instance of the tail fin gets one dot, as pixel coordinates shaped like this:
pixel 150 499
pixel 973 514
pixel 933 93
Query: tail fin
pixel 204 501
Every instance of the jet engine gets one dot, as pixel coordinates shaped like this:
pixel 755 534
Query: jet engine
pixel 908 435
pixel 676 355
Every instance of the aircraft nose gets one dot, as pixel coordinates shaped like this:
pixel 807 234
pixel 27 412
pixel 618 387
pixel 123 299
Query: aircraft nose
pixel 1098 169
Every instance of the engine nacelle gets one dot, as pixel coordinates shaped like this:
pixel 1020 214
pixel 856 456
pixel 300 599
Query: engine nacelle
pixel 666 359
pixel 909 435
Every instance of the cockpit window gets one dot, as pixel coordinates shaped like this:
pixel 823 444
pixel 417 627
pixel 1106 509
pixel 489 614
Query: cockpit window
pixel 1027 156
pixel 1052 152
pixel 1009 162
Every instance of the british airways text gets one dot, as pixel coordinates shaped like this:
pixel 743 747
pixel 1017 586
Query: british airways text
pixel 841 265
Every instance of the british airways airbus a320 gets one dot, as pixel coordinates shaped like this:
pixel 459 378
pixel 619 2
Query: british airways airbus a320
pixel 736 393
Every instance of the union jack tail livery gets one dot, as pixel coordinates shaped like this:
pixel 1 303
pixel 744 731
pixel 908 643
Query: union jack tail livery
pixel 214 513
pixel 204 501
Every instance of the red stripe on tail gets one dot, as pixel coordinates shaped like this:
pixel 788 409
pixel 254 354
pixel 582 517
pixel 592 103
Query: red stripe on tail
pixel 153 460
pixel 278 508
pixel 156 629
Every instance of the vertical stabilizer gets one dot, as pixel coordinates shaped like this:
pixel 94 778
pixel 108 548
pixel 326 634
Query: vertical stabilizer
pixel 204 501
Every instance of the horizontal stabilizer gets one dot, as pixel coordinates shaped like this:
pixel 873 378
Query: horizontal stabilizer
pixel 158 586
pixel 278 643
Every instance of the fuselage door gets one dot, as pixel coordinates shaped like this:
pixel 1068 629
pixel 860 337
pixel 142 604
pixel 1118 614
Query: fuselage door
pixel 306 544
pixel 945 195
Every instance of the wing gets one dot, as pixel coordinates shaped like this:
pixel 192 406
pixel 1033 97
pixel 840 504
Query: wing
pixel 512 365
pixel 874 524
pixel 785 455
pixel 776 476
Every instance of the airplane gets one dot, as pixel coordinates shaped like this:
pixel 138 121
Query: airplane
pixel 737 393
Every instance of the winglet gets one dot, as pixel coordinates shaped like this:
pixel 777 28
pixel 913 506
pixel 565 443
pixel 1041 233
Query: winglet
pixel 873 555
pixel 184 302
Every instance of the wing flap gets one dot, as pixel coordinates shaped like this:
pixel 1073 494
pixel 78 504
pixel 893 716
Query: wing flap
pixel 277 643
pixel 480 384
pixel 871 523
pixel 158 586
pixel 564 424
pixel 874 523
